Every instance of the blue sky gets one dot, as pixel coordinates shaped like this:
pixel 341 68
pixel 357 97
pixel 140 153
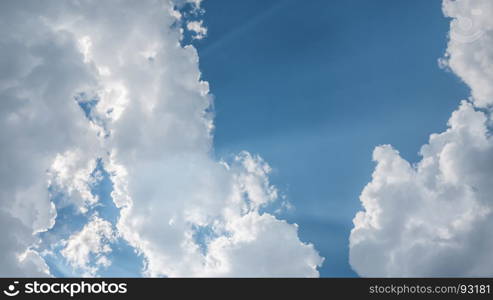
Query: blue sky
pixel 314 86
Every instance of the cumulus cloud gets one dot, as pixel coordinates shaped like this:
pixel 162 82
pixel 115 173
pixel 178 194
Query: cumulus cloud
pixel 71 174
pixel 17 259
pixel 221 203
pixel 252 248
pixel 433 218
pixel 166 182
pixel 198 29
pixel 41 72
pixel 85 250
pixel 469 48
pixel 81 85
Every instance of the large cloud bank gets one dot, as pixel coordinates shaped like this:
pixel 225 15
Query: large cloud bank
pixel 434 218
pixel 111 80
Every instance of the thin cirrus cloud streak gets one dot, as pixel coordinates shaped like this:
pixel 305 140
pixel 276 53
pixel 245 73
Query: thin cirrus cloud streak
pixel 433 218
pixel 243 28
pixel 81 88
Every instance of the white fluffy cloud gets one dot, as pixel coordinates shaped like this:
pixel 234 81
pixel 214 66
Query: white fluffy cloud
pixel 41 72
pixel 224 200
pixel 166 181
pixel 146 116
pixel 16 259
pixel 197 27
pixel 85 250
pixel 433 218
pixel 71 173
pixel 469 52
